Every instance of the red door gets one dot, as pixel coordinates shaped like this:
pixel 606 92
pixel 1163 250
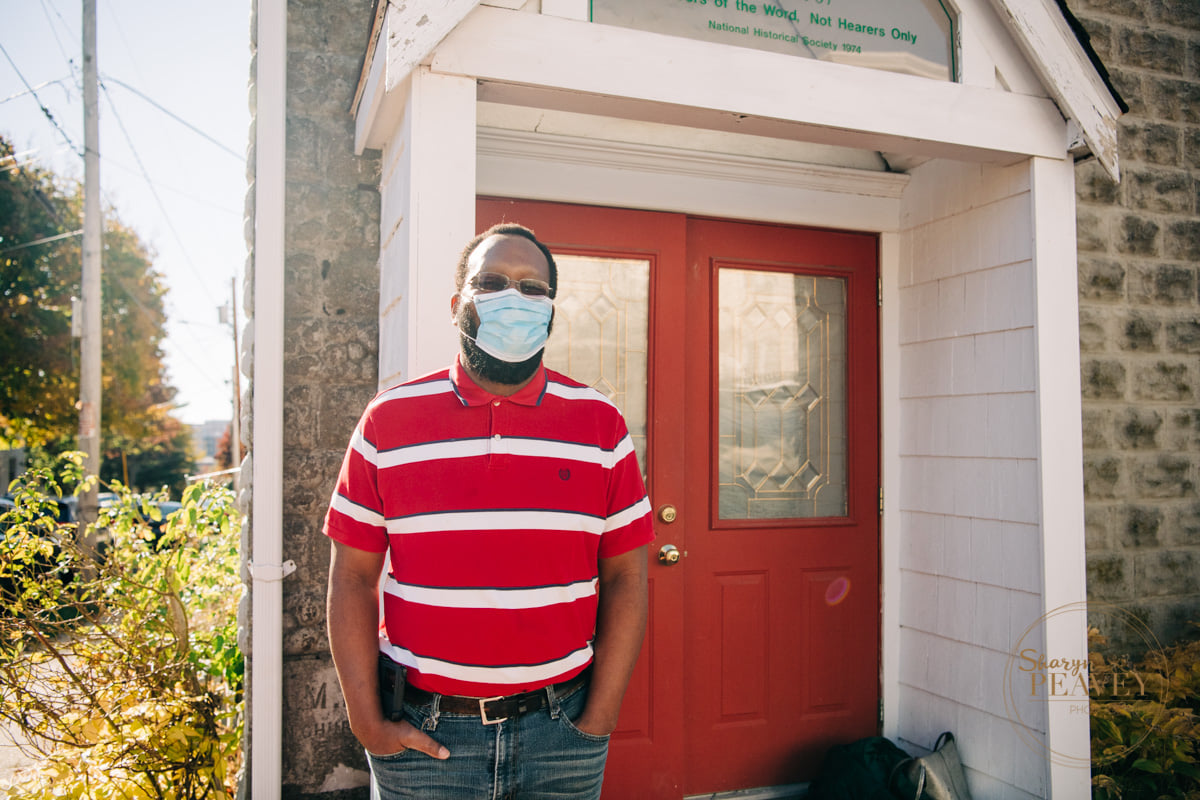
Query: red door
pixel 744 357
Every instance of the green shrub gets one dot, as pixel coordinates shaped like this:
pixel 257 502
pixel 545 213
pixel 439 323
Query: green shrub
pixel 118 648
pixel 1148 746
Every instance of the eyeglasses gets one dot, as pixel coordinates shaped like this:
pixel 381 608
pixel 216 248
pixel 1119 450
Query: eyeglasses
pixel 486 282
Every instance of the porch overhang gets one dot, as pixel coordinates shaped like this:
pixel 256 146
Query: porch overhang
pixel 1068 74
pixel 548 61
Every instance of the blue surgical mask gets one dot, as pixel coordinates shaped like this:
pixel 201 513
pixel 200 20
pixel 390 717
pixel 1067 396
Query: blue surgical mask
pixel 512 326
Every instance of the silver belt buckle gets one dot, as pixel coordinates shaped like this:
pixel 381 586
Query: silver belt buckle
pixel 483 711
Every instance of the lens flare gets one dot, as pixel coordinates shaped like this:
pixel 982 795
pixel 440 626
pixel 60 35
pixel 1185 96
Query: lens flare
pixel 837 590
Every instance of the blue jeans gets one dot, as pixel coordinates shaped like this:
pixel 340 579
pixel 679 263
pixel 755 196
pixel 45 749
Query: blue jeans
pixel 540 755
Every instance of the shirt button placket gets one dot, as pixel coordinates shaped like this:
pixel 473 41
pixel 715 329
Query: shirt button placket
pixel 494 443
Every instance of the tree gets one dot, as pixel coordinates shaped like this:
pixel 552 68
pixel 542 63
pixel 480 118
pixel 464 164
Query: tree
pixel 39 276
pixel 152 462
pixel 37 383
pixel 225 448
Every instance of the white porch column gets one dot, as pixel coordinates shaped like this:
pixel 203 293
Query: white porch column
pixel 1060 455
pixel 266 614
pixel 428 213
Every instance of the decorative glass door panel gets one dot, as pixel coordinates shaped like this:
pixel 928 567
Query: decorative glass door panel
pixel 782 470
pixel 782 395
pixel 600 332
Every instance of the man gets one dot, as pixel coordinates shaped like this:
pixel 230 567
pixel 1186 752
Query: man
pixel 510 502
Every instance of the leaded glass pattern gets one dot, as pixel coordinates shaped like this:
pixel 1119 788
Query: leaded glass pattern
pixel 600 334
pixel 782 395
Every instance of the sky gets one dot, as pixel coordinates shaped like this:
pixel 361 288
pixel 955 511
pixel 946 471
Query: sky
pixel 174 125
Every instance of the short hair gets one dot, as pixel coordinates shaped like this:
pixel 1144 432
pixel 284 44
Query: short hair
pixel 503 229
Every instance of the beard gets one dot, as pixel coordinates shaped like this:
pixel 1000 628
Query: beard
pixel 485 365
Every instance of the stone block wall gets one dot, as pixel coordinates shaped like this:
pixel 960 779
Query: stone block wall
pixel 331 335
pixel 1139 317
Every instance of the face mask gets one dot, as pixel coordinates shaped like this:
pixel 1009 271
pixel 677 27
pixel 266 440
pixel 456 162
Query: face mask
pixel 512 326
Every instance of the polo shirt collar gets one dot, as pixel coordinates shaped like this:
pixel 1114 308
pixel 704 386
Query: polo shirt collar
pixel 472 394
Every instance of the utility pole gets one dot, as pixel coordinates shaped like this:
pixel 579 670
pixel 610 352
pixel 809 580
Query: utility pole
pixel 89 372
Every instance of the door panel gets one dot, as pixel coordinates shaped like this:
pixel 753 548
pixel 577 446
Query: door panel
pixel 601 253
pixel 744 359
pixel 780 503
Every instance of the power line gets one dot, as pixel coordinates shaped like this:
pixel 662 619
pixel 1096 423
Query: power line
pixel 61 19
pixel 201 370
pixel 208 327
pixel 176 117
pixel 61 49
pixel 109 161
pixel 41 105
pixel 154 192
pixel 139 306
pixel 13 162
pixel 42 85
pixel 45 240
pixel 121 32
pixel 137 68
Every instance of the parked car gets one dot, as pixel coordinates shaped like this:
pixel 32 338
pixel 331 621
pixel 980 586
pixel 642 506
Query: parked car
pixel 66 508
pixel 65 512
pixel 165 508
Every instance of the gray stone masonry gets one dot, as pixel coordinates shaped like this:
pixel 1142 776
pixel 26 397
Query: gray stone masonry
pixel 245 477
pixel 1139 320
pixel 331 342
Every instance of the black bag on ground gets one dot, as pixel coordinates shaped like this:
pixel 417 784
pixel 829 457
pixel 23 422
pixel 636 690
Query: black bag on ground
pixel 861 771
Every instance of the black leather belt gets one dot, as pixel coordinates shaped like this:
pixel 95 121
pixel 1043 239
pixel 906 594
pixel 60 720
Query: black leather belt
pixel 494 710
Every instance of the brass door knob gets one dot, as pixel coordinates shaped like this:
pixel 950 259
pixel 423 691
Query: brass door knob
pixel 667 514
pixel 669 554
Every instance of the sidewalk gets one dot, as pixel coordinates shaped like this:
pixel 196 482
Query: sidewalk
pixel 12 761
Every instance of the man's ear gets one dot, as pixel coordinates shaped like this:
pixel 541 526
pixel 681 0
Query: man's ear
pixel 454 308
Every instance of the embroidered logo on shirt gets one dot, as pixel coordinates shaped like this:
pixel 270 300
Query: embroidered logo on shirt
pixel 564 474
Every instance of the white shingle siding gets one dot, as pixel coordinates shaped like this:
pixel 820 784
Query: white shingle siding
pixel 970 579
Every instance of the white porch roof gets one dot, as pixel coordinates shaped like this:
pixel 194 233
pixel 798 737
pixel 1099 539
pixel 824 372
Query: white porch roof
pixel 415 29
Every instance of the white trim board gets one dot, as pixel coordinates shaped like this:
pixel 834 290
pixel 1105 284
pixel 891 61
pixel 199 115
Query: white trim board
pixel 528 59
pixel 1060 444
pixel 890 464
pixel 574 170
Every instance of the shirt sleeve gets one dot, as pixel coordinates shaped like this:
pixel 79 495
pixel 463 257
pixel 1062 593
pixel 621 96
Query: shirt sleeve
pixel 355 516
pixel 628 524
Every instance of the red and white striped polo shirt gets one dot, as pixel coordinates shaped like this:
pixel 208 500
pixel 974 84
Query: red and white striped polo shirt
pixel 495 511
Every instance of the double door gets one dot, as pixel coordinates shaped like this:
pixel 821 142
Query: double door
pixel 744 357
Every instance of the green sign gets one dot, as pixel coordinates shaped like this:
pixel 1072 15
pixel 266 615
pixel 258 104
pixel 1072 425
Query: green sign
pixel 911 36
